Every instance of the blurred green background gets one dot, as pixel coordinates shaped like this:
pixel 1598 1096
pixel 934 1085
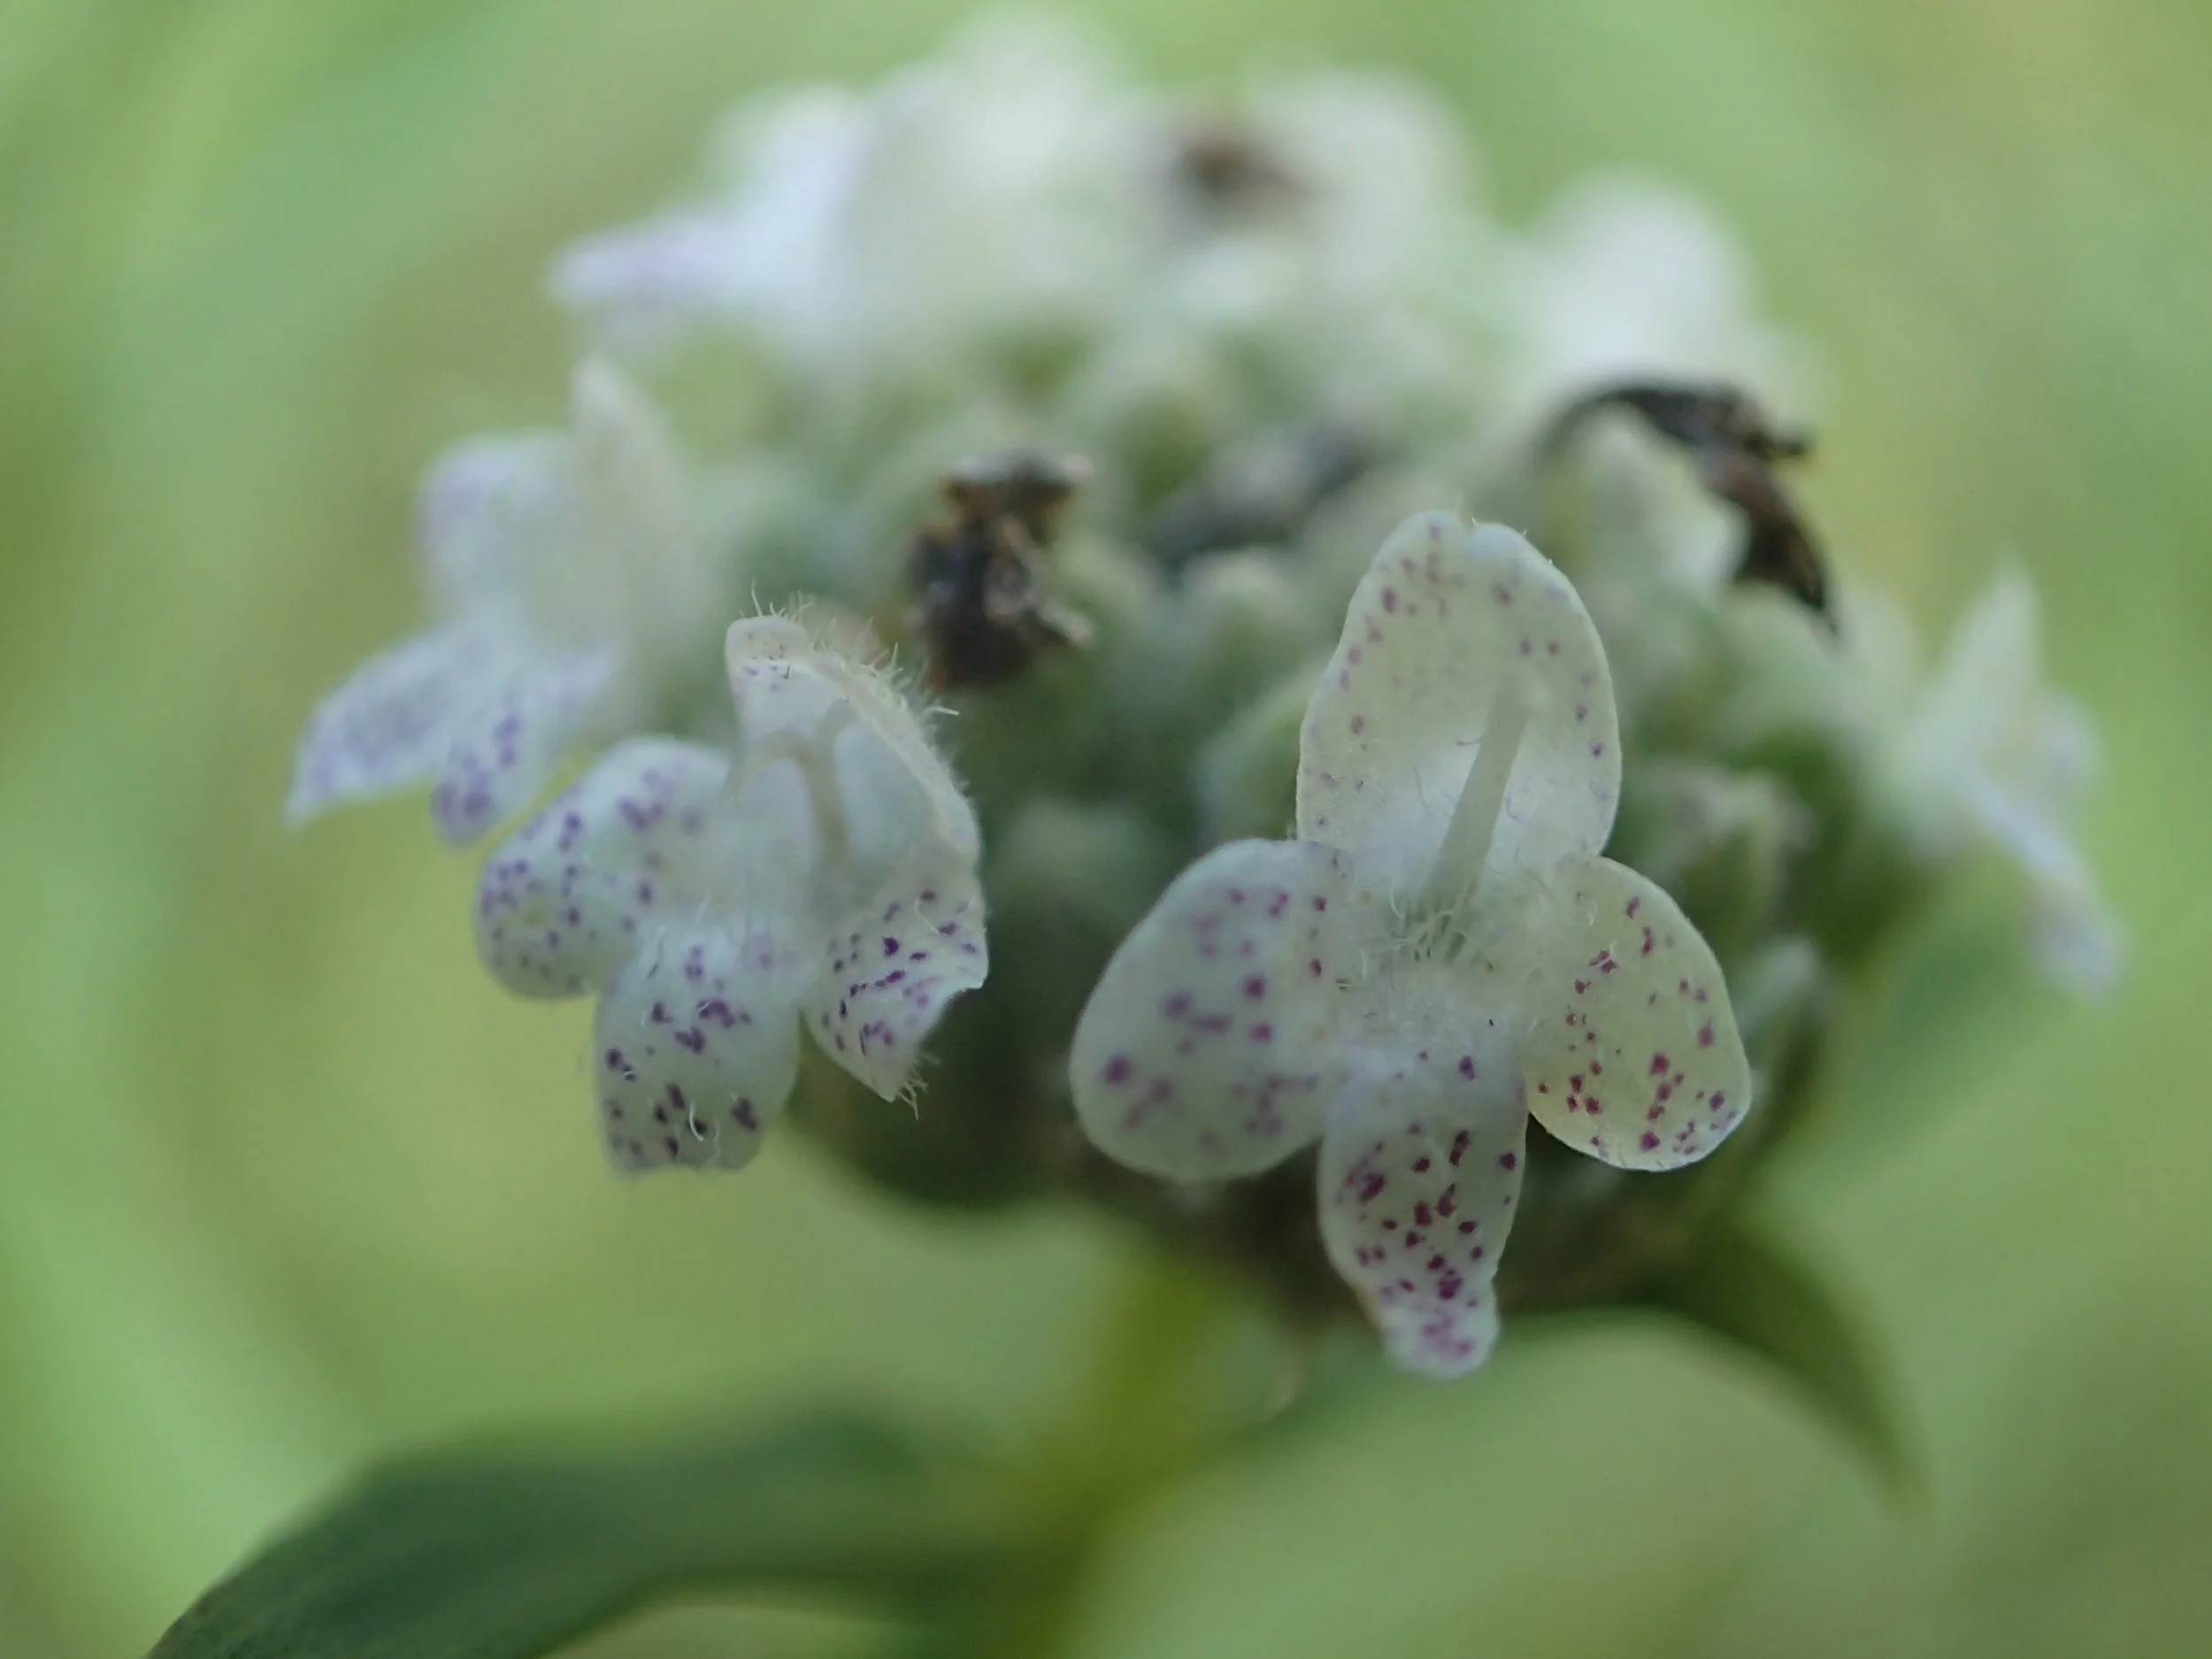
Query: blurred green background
pixel 288 1182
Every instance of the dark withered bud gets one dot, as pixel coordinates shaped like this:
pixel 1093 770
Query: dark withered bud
pixel 1262 492
pixel 980 603
pixel 1028 486
pixel 1734 448
pixel 1221 169
pixel 1695 417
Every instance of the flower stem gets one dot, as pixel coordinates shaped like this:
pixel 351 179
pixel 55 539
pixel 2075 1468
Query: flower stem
pixel 1160 1398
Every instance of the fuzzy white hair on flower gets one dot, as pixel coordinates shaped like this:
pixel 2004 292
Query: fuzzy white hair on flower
pixel 1988 754
pixel 1442 954
pixel 566 575
pixel 823 874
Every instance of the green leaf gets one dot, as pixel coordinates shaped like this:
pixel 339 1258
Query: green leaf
pixel 499 1553
pixel 1759 1298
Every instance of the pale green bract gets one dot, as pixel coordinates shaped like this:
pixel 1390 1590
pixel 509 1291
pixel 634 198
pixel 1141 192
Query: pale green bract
pixel 1442 954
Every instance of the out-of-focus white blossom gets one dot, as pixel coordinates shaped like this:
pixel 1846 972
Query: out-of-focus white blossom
pixel 1627 278
pixel 970 196
pixel 1987 754
pixel 568 584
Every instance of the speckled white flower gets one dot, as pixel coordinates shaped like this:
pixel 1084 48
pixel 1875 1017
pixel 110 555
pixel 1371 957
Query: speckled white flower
pixel 1988 754
pixel 1442 952
pixel 824 874
pixel 566 576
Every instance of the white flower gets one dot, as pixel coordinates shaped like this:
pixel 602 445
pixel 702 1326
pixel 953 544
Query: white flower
pixel 1018 186
pixel 1987 754
pixel 766 250
pixel 1366 248
pixel 1629 279
pixel 826 875
pixel 1440 954
pixel 567 578
pixel 972 192
pixel 1626 280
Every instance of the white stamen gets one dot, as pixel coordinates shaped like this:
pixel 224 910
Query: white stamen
pixel 814 755
pixel 1466 846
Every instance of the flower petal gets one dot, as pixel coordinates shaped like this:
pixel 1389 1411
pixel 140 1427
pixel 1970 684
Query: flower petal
pixel 491 509
pixel 1986 685
pixel 892 968
pixel 570 536
pixel 639 286
pixel 567 899
pixel 697 1046
pixel 1205 1051
pixel 765 251
pixel 635 506
pixel 2076 940
pixel 1623 278
pixel 893 799
pixel 1446 618
pixel 1420 1167
pixel 392 724
pixel 504 749
pixel 1629 1044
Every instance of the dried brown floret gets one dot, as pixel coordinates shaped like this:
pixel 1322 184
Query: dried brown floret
pixel 1734 448
pixel 980 603
pixel 1029 486
pixel 1222 168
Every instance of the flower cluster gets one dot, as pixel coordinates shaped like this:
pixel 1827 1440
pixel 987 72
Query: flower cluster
pixel 1598 841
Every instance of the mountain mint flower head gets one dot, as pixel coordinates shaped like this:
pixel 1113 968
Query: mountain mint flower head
pixel 1095 400
pixel 1441 952
pixel 823 874
pixel 565 575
